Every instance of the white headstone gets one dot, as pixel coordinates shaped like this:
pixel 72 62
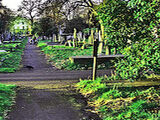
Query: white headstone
pixel 3 51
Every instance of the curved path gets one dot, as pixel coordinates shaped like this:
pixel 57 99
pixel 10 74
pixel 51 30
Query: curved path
pixel 43 71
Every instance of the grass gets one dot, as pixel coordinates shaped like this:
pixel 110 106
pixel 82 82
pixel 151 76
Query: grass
pixel 121 103
pixel 60 57
pixel 7 98
pixel 12 59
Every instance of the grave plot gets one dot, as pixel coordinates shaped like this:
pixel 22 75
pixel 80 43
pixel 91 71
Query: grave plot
pixel 77 51
pixel 10 55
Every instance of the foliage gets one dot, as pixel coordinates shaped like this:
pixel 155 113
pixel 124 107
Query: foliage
pixel 78 23
pixel 141 59
pixel 54 9
pixel 5 16
pixel 45 26
pixel 7 95
pixel 88 30
pixel 138 22
pixel 16 21
pixel 113 103
pixel 9 46
pixel 90 87
pixel 30 9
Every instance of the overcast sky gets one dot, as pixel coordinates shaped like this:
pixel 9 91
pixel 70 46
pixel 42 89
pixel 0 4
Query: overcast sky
pixel 12 4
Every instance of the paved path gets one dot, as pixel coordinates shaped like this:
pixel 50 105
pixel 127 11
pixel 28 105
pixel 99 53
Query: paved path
pixel 42 70
pixel 43 90
pixel 42 105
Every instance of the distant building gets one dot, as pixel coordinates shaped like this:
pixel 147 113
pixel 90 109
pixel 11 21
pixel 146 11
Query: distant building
pixel 20 24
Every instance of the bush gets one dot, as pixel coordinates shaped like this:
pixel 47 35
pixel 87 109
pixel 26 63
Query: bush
pixel 141 59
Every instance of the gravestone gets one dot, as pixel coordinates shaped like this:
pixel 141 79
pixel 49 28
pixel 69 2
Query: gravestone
pixel 2 51
pixel 0 39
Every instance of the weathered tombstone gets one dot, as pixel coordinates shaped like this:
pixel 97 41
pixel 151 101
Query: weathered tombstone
pixel 84 38
pixel 84 42
pixel 59 37
pixel 100 49
pixel 55 38
pixel 3 51
pixel 79 39
pixel 60 30
pixel 13 38
pixel 0 39
pixel 69 43
pixel 79 36
pixel 75 38
pixel 50 38
pixel 89 40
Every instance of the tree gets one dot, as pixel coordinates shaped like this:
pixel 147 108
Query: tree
pixel 78 23
pixel 30 9
pixel 67 9
pixel 137 21
pixel 45 26
pixel 5 16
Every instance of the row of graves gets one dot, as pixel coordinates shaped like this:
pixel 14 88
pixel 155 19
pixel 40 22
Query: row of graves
pixel 9 43
pixel 84 40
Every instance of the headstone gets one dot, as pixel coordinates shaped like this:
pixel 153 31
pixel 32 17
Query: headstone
pixel 60 30
pixel 79 36
pixel 0 39
pixel 59 37
pixel 84 38
pixel 55 38
pixel 13 38
pixel 69 43
pixel 2 51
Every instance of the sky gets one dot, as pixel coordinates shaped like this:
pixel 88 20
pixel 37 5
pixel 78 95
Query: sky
pixel 12 4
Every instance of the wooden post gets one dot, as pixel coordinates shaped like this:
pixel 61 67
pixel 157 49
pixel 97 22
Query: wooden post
pixel 95 51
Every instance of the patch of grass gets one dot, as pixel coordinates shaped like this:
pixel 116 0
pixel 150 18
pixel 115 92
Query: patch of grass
pixel 12 60
pixel 121 103
pixel 60 57
pixel 7 96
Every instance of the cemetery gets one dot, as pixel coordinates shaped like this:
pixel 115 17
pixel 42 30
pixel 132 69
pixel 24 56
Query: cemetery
pixel 80 60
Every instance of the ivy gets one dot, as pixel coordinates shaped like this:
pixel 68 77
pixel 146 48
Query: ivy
pixel 136 21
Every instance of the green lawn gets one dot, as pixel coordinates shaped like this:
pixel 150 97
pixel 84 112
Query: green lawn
pixel 59 56
pixel 13 58
pixel 7 99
